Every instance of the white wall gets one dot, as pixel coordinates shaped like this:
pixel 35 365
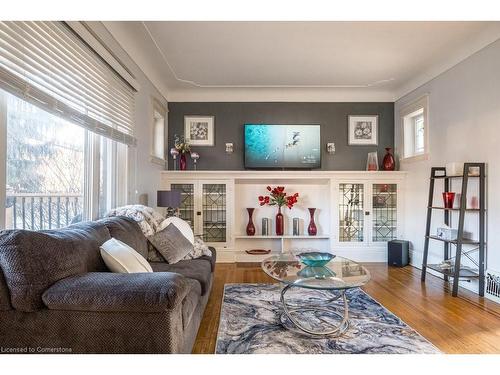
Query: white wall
pixel 144 176
pixel 464 123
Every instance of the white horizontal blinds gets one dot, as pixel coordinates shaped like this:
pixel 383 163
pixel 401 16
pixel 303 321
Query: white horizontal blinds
pixel 47 64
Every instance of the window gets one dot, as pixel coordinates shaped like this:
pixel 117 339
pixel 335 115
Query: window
pixel 49 175
pixel 415 126
pixel 45 168
pixel 112 175
pixel 66 121
pixel 158 149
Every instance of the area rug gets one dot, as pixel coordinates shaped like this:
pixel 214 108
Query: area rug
pixel 250 323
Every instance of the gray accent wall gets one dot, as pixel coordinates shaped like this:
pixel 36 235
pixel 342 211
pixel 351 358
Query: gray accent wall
pixel 230 118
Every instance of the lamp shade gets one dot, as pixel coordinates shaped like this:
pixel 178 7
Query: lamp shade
pixel 168 198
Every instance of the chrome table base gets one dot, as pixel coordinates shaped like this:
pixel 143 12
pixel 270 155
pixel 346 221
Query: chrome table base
pixel 334 330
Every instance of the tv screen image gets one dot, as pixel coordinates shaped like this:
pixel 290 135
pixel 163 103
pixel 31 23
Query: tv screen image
pixel 282 146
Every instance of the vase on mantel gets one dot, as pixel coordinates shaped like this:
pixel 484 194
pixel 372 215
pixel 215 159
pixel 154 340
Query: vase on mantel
pixel 183 162
pixel 279 223
pixel 388 164
pixel 312 229
pixel 250 225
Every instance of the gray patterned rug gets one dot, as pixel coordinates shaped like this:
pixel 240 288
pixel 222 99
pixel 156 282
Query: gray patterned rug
pixel 250 323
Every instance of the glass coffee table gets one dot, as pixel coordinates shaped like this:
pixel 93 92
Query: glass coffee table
pixel 335 277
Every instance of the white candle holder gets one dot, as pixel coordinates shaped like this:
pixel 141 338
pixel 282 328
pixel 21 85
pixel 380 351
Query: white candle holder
pixel 174 152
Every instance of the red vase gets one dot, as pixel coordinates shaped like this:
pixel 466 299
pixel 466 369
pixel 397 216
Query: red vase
pixel 250 226
pixel 388 164
pixel 182 162
pixel 312 229
pixel 448 198
pixel 279 223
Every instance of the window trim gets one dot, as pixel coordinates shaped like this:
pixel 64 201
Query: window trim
pixel 157 106
pixel 420 103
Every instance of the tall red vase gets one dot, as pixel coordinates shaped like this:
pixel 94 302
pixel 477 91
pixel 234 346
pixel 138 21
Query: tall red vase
pixel 183 162
pixel 250 226
pixel 312 229
pixel 279 223
pixel 388 164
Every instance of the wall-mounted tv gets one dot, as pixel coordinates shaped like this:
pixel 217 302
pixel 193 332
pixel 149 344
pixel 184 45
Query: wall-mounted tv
pixel 282 146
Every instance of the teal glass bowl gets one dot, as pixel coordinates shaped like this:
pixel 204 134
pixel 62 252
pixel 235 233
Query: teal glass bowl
pixel 315 258
pixel 316 272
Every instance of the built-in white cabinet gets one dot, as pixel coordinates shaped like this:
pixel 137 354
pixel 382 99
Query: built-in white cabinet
pixel 367 212
pixel 204 204
pixel 356 212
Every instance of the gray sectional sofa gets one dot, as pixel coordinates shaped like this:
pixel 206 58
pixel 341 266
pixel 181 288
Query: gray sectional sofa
pixel 57 295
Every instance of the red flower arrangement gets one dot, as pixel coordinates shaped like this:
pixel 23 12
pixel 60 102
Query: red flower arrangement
pixel 278 197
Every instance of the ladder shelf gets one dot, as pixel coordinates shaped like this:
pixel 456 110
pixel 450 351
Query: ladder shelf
pixel 455 269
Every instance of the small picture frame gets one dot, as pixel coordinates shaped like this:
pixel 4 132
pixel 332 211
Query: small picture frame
pixel 199 130
pixel 363 130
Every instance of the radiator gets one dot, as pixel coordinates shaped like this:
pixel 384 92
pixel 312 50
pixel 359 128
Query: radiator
pixel 493 285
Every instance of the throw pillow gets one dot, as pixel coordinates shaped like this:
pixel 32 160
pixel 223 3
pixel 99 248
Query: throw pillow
pixel 171 244
pixel 153 254
pixel 121 258
pixel 181 225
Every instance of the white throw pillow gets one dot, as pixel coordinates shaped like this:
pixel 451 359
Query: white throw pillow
pixel 180 224
pixel 121 258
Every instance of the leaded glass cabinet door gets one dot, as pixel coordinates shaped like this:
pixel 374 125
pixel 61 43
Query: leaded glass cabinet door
pixel 384 217
pixel 187 207
pixel 351 212
pixel 214 201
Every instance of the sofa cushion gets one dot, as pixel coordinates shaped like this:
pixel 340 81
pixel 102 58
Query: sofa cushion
pixel 32 261
pixel 121 258
pixel 128 231
pixel 118 292
pixel 171 244
pixel 180 224
pixel 197 269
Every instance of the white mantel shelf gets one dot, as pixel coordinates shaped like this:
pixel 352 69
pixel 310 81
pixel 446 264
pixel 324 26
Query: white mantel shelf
pixel 278 174
pixel 285 236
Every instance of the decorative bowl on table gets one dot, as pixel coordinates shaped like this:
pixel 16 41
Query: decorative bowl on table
pixel 315 258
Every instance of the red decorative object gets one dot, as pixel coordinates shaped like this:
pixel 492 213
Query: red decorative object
pixel 278 197
pixel 388 164
pixel 250 226
pixel 312 229
pixel 448 199
pixel 279 223
pixel 182 162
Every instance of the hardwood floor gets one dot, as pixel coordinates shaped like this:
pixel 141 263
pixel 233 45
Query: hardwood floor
pixel 464 324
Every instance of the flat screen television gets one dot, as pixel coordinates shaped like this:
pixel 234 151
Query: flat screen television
pixel 282 146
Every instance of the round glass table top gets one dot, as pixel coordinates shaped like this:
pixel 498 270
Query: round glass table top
pixel 338 273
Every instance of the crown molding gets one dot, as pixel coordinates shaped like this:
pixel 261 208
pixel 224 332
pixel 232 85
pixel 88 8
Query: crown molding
pixel 279 95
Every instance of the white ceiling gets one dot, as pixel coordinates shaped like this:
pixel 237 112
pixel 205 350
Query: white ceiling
pixel 297 61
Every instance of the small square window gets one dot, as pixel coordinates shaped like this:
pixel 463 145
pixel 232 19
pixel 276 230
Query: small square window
pixel 415 129
pixel 159 135
pixel 159 129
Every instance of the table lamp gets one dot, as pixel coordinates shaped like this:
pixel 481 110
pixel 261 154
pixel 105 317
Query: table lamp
pixel 171 199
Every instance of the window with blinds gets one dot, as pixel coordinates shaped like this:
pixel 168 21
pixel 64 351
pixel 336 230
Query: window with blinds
pixel 47 64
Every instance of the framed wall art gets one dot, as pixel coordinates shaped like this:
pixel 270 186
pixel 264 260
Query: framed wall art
pixel 199 130
pixel 363 130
